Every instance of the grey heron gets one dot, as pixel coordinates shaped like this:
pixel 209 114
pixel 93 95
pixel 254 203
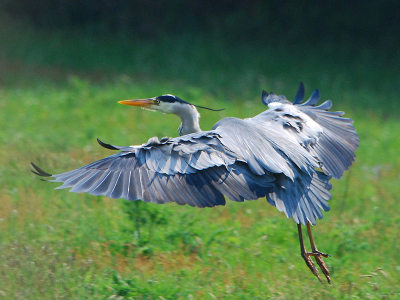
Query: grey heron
pixel 287 154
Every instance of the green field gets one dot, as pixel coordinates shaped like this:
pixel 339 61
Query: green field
pixel 59 92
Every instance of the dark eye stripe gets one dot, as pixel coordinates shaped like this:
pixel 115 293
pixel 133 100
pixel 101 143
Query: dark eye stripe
pixel 166 98
pixel 170 99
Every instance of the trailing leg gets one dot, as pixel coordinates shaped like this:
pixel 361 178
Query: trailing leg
pixel 317 254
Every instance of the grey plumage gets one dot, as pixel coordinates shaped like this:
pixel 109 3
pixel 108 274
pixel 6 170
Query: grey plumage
pixel 287 154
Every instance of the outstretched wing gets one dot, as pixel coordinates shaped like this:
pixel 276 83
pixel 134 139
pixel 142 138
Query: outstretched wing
pixel 194 169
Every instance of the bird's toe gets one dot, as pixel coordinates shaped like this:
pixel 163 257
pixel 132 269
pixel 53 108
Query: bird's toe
pixel 323 266
pixel 310 264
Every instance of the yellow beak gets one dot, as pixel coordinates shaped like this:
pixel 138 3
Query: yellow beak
pixel 139 102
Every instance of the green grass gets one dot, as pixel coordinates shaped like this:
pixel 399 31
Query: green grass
pixel 59 92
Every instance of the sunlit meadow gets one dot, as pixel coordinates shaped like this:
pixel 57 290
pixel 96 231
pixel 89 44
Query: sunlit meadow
pixel 59 92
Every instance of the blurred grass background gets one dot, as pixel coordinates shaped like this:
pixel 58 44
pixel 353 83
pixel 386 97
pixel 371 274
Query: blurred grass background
pixel 63 67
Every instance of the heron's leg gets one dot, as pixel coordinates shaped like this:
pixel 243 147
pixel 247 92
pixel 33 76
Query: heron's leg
pixel 317 254
pixel 306 255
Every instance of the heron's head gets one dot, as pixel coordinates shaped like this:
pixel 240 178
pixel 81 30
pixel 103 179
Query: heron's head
pixel 168 104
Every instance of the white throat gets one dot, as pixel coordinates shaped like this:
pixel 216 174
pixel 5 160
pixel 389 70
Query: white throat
pixel 190 119
pixel 188 114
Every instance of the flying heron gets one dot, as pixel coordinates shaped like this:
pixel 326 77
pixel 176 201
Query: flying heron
pixel 287 154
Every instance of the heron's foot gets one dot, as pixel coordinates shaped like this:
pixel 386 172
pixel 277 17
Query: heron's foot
pixel 318 257
pixel 317 254
pixel 310 263
pixel 322 265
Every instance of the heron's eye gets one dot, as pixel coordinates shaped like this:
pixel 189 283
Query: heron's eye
pixel 157 102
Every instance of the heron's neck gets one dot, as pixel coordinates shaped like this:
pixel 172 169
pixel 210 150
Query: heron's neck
pixel 190 119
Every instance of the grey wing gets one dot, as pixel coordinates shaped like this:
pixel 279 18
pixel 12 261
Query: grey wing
pixel 323 133
pixel 307 135
pixel 193 169
pixel 338 142
pixel 300 190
